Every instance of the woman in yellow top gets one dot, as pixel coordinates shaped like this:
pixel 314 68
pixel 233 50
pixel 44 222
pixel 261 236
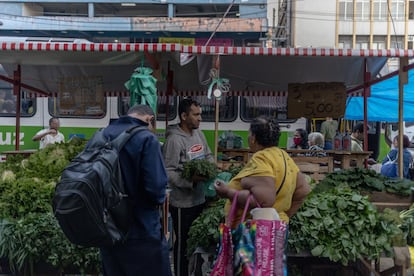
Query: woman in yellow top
pixel 270 175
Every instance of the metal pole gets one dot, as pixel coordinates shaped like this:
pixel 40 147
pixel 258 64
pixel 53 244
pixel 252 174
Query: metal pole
pixel 402 79
pixel 17 93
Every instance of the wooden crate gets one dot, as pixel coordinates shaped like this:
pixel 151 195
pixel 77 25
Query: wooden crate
pixel 225 165
pixel 388 200
pixel 315 167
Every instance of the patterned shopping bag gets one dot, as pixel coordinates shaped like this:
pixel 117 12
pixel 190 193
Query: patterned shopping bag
pixel 260 247
pixel 223 265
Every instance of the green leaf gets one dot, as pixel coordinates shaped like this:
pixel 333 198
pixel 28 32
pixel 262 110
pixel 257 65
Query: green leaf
pixel 317 251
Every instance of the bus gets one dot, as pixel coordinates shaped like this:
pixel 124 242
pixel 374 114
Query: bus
pixel 235 114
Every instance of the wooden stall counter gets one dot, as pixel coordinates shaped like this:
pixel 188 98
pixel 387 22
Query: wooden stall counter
pixel 349 159
pixel 25 153
pixel 341 159
pixel 241 155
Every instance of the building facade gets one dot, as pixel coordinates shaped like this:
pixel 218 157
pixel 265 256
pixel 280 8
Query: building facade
pixel 223 22
pixel 357 24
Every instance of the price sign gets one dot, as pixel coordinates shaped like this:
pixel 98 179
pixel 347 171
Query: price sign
pixel 315 100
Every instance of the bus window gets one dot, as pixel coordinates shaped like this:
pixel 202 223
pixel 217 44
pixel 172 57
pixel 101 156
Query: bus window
pixel 253 106
pixel 8 103
pixel 28 104
pixel 227 108
pixel 79 97
pixel 123 104
pixel 70 108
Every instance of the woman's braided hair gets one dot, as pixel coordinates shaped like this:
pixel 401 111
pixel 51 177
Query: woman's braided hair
pixel 266 131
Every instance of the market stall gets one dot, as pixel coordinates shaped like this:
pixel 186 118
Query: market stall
pixel 247 69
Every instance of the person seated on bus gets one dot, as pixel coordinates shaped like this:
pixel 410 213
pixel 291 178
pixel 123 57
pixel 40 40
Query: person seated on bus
pixel 300 139
pixel 8 106
pixel 316 144
pixel 49 135
pixel 407 157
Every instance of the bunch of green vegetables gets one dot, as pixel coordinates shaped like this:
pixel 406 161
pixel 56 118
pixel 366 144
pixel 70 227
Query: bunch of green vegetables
pixel 204 230
pixel 200 167
pixel 340 224
pixel 404 222
pixel 28 230
pixel 37 237
pixel 366 180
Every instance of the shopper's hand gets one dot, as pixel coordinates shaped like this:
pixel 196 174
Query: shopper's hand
pixel 221 188
pixel 52 131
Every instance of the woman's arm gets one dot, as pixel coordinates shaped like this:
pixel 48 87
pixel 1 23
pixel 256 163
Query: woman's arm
pixel 299 196
pixel 262 188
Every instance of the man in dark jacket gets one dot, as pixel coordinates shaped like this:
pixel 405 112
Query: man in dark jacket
pixel 145 252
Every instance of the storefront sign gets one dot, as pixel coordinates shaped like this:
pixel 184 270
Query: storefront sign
pixel 180 40
pixel 214 42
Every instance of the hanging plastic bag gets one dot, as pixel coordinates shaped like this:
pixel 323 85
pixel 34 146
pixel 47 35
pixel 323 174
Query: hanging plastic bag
pixel 208 185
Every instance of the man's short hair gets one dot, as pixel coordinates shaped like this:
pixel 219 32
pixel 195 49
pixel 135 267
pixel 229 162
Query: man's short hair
pixel 185 105
pixel 140 109
pixel 52 119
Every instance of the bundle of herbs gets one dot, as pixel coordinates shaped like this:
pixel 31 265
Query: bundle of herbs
pixel 404 222
pixel 200 167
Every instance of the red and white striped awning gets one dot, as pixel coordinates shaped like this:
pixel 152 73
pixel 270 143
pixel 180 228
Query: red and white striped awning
pixel 89 47
pixel 193 93
pixel 202 50
pixel 185 93
pixel 328 52
pixel 33 94
pixel 262 70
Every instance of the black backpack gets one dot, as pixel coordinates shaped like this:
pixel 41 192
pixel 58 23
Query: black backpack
pixel 90 201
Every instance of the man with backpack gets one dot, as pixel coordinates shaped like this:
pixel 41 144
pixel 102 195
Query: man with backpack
pixel 145 251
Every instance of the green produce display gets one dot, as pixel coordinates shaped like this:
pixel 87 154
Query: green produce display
pixel 204 230
pixel 29 232
pixel 336 221
pixel 341 225
pixel 366 180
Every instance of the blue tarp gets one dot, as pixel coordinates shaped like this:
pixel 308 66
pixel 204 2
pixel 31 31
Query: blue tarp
pixel 383 103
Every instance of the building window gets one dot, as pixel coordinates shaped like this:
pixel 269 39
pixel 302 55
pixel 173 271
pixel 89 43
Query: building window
pixel 362 10
pixel 379 42
pixel 346 10
pixel 398 9
pixel 362 42
pixel 380 10
pixel 345 42
pixel 411 10
pixel 397 42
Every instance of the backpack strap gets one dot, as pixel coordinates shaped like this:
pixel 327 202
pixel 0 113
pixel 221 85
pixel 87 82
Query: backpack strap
pixel 122 138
